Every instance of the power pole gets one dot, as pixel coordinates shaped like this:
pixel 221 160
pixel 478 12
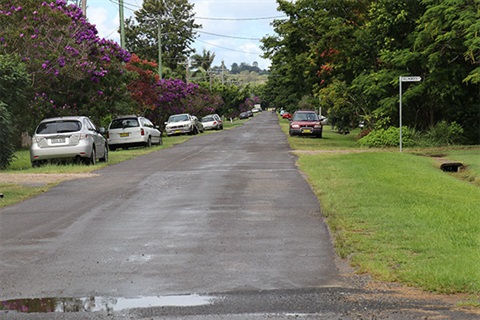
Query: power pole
pixel 159 48
pixel 84 8
pixel 122 24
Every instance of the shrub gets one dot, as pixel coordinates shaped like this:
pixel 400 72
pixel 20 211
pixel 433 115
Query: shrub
pixel 384 138
pixel 7 148
pixel 443 134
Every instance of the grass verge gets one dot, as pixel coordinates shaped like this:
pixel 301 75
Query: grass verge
pixel 397 216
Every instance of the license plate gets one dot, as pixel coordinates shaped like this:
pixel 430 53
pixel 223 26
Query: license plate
pixel 125 134
pixel 58 140
pixel 307 131
pixel 178 131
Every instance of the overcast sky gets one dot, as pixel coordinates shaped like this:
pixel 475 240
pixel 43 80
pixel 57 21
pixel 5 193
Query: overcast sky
pixel 224 24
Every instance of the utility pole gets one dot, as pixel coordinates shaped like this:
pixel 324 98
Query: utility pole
pixel 223 72
pixel 122 24
pixel 159 48
pixel 84 8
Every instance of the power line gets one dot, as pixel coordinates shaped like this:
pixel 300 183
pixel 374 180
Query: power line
pixel 229 49
pixel 226 36
pixel 241 19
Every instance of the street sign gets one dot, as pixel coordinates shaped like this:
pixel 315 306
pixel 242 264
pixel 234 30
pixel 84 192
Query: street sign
pixel 400 81
pixel 410 79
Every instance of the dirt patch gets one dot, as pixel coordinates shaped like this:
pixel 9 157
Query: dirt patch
pixel 40 179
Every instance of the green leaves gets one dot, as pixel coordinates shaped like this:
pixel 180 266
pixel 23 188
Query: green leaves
pixel 367 45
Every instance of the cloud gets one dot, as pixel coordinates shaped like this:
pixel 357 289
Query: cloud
pixel 224 17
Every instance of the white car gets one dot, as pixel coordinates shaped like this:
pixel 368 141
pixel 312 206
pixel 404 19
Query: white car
pixel 183 123
pixel 66 138
pixel 212 121
pixel 132 131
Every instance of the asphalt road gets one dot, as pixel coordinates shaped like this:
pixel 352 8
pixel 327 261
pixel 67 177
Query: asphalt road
pixel 220 227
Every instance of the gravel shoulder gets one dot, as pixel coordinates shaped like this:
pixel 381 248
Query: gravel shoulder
pixel 41 178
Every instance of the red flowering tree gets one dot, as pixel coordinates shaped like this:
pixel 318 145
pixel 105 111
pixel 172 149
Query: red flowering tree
pixel 143 86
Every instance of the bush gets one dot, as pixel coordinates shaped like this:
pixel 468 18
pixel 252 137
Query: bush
pixel 384 138
pixel 443 134
pixel 7 148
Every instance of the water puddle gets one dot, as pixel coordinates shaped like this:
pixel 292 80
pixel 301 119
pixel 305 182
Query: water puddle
pixel 94 304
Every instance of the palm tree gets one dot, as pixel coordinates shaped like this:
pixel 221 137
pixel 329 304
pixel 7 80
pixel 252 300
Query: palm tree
pixel 201 64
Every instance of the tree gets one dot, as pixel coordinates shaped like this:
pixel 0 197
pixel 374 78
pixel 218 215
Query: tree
pixel 201 64
pixel 177 24
pixel 73 71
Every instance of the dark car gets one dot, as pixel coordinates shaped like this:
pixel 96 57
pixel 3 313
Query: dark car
pixel 243 115
pixel 306 123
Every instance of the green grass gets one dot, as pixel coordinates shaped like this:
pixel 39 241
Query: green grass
pixel 399 218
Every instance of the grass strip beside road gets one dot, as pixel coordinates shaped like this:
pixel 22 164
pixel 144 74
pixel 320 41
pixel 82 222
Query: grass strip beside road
pixel 397 216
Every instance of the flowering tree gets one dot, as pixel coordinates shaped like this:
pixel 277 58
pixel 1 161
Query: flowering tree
pixel 143 85
pixel 73 71
pixel 175 96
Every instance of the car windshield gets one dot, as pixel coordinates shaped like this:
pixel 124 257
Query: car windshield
pixel 207 119
pixel 305 117
pixel 60 126
pixel 178 118
pixel 124 123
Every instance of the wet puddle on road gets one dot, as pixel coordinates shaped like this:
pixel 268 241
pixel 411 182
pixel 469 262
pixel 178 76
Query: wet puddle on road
pixel 95 304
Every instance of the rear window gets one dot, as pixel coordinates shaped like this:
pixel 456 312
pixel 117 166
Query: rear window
pixel 124 123
pixel 59 127
pixel 207 119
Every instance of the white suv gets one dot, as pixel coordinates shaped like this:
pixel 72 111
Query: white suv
pixel 132 131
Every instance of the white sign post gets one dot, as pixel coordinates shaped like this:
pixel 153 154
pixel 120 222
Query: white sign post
pixel 400 80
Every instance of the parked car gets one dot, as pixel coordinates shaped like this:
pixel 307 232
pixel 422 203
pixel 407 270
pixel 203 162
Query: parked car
pixel 243 115
pixel 183 123
pixel 306 123
pixel 198 124
pixel 256 109
pixel 212 121
pixel 132 131
pixel 287 115
pixel 68 138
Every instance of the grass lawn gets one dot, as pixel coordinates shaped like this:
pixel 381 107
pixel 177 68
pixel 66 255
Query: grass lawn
pixel 395 215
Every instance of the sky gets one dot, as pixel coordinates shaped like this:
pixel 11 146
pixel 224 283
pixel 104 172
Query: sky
pixel 231 29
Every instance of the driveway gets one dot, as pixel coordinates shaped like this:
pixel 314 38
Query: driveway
pixel 220 227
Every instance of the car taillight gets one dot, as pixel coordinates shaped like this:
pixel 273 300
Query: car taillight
pixel 80 136
pixel 142 132
pixel 214 122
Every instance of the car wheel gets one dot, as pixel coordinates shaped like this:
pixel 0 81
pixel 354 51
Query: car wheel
pixel 319 135
pixel 148 144
pixel 92 159
pixel 36 164
pixel 105 155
